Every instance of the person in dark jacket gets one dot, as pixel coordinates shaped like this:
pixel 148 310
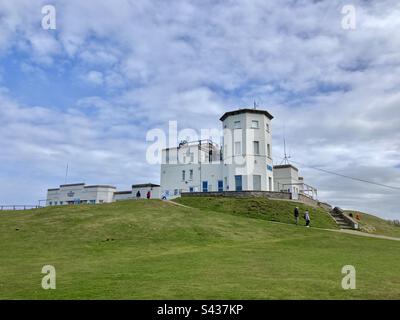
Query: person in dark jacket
pixel 138 195
pixel 148 194
pixel 296 215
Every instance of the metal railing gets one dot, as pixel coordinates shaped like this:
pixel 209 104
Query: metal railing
pixel 14 207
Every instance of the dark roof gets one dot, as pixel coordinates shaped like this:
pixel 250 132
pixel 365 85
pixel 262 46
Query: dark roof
pixel 54 189
pixel 101 186
pixel 123 192
pixel 145 185
pixel 72 185
pixel 239 111
pixel 284 166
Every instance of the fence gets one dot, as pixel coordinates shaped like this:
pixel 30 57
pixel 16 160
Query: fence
pixel 18 207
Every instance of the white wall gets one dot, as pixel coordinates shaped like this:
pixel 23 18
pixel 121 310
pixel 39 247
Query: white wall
pixel 285 178
pixel 155 192
pixel 69 194
pixel 248 163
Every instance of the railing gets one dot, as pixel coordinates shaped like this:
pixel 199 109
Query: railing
pixel 18 207
pixel 353 223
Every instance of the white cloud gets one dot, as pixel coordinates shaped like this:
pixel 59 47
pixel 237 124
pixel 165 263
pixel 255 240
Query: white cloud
pixel 94 77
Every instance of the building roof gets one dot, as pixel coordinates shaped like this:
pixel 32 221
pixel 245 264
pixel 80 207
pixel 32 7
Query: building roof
pixel 285 166
pixel 72 185
pixel 144 185
pixel 239 111
pixel 54 189
pixel 101 186
pixel 123 192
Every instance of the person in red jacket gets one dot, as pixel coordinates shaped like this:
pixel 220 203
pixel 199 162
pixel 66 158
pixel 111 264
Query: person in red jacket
pixel 148 194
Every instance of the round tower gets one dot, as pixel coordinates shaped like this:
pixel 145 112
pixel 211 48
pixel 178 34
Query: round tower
pixel 247 150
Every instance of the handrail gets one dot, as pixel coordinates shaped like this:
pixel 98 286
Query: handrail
pixel 15 207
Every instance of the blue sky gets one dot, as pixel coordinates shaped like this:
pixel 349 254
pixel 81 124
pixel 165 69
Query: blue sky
pixel 88 92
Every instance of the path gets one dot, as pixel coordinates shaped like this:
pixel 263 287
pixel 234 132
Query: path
pixel 352 232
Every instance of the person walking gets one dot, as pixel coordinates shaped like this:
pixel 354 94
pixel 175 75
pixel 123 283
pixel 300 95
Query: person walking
pixel 296 215
pixel 148 194
pixel 307 217
pixel 138 195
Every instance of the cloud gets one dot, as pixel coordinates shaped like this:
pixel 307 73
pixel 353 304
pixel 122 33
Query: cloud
pixel 139 64
pixel 94 77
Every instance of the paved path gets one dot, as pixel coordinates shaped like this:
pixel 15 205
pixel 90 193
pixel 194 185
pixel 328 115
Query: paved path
pixel 364 234
pixel 177 204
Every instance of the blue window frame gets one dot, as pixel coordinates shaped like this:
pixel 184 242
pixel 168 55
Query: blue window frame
pixel 238 183
pixel 220 185
pixel 205 186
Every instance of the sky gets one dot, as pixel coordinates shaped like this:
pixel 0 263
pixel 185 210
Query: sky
pixel 87 92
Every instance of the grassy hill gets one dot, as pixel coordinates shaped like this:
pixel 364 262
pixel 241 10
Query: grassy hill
pixel 261 208
pixel 375 225
pixel 157 250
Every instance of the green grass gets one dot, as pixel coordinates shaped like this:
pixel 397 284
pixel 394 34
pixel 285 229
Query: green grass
pixel 261 208
pixel 157 250
pixel 372 224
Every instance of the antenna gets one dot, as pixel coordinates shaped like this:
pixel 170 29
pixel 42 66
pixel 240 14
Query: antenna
pixel 255 105
pixel 286 156
pixel 66 174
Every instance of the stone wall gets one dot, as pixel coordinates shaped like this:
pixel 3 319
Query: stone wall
pixel 260 194
pixel 241 194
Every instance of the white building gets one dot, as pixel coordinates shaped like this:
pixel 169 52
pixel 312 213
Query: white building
pixel 287 179
pixel 79 193
pixel 142 189
pixel 243 162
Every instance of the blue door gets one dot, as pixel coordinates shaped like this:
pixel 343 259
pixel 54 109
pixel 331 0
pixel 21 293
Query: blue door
pixel 191 189
pixel 220 185
pixel 205 186
pixel 238 183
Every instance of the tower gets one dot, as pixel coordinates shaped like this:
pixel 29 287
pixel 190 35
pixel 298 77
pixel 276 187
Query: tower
pixel 247 150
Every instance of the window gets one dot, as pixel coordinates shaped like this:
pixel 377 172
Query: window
pixel 205 186
pixel 92 201
pixel 220 185
pixel 101 201
pixel 50 203
pixel 238 148
pixel 269 150
pixel 238 183
pixel 256 182
pixel 183 175
pixel 61 202
pixel 167 156
pixel 55 203
pixel 191 189
pixel 256 147
pixel 176 192
pixel 269 184
pixel 267 127
pixel 236 124
pixel 191 174
pixel 254 124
